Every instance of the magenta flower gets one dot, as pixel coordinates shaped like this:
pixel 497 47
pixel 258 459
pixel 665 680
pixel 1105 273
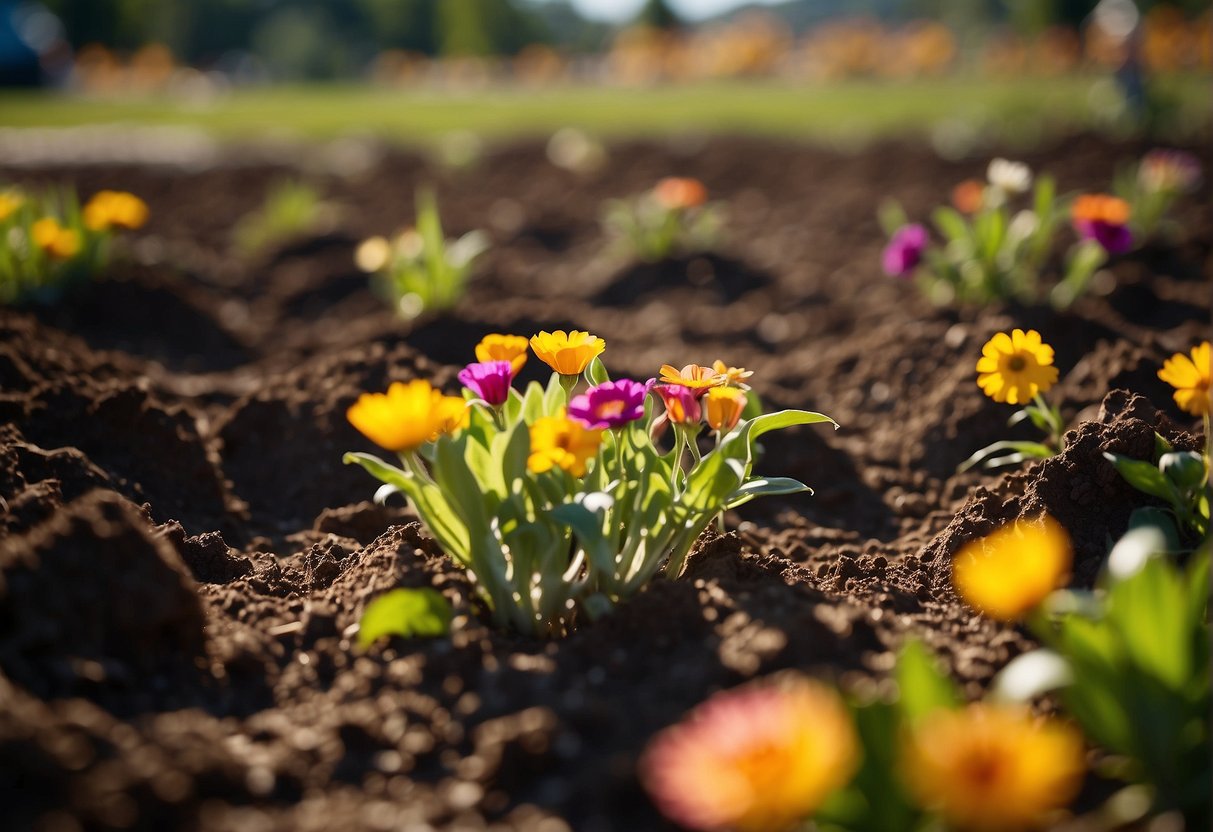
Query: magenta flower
pixel 1115 238
pixel 611 404
pixel 489 380
pixel 904 251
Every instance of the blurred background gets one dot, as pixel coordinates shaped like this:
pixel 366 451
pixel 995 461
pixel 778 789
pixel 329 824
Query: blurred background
pixel 416 70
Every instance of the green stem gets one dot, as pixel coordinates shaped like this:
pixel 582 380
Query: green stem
pixel 568 383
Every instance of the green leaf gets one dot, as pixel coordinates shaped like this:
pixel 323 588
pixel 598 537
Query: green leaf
pixel 1144 476
pixel 596 372
pixel 404 612
pixel 587 525
pixel 950 223
pixel 922 684
pixel 1023 450
pixel 781 419
pixel 1149 610
pixel 764 487
pixel 891 216
pixel 1161 519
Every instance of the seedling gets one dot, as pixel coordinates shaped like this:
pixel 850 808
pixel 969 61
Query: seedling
pixel 674 218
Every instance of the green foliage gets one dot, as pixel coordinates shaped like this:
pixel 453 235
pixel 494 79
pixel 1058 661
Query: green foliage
pixel 543 545
pixel 647 230
pixel 1044 417
pixel 420 269
pixel 291 208
pixel 404 612
pixel 1139 686
pixel 1178 478
pixel 31 273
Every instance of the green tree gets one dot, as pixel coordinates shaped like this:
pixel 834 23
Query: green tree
pixel 659 15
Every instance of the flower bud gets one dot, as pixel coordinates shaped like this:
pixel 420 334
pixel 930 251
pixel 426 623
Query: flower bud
pixel 1185 469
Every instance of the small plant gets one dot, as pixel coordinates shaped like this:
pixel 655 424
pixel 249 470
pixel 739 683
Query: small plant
pixel 671 219
pixel 404 612
pixel 291 208
pixel 1130 660
pixel 420 269
pixel 558 503
pixel 49 243
pixel 1017 368
pixel 990 250
pixel 1154 184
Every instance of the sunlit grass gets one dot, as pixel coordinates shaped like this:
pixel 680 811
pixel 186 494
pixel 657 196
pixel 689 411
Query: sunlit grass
pixel 1014 108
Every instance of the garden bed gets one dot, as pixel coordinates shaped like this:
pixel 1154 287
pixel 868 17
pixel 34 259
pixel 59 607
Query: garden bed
pixel 182 550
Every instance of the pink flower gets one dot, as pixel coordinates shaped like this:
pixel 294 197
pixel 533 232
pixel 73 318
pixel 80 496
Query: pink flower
pixel 489 380
pixel 611 404
pixel 904 251
pixel 681 404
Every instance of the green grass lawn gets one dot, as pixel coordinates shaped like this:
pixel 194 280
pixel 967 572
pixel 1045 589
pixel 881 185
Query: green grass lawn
pixel 1014 109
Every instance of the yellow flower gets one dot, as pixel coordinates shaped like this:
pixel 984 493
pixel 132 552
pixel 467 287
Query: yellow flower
pixel 407 415
pixel 372 254
pixel 561 442
pixel 760 758
pixel 114 209
pixel 497 347
pixel 734 376
pixel 58 242
pixel 10 201
pixel 567 354
pixel 1014 368
pixel 991 768
pixel 692 375
pixel 1012 570
pixel 1190 378
pixel 723 408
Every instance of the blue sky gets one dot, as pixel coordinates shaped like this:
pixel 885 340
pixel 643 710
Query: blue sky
pixel 616 10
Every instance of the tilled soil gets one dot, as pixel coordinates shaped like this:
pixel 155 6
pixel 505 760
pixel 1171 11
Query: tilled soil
pixel 181 549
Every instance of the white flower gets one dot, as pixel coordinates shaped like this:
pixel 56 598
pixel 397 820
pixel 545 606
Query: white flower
pixel 1009 177
pixel 372 254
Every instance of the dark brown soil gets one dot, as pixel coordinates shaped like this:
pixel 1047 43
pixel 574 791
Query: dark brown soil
pixel 181 549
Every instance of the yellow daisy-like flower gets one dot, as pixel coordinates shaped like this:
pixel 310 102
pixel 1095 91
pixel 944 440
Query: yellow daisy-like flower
pixel 692 375
pixel 10 201
pixel 733 376
pixel 991 768
pixel 1012 570
pixel 497 347
pixel 567 353
pixel 1190 378
pixel 723 407
pixel 407 415
pixel 560 442
pixel 761 758
pixel 1014 367
pixel 58 242
pixel 114 209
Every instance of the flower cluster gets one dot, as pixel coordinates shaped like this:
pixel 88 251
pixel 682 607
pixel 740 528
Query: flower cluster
pixel 49 242
pixel 559 502
pixel 673 218
pixel 992 251
pixel 419 269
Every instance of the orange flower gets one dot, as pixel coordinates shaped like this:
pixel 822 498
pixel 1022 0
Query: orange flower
pixel 723 408
pixel 733 376
pixel 114 209
pixel 497 347
pixel 407 415
pixel 1190 378
pixel 758 759
pixel 969 196
pixel 567 353
pixel 1100 208
pixel 675 193
pixel 1009 572
pixel 697 378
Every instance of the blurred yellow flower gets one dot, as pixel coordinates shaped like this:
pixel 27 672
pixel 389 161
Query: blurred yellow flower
pixel 1013 368
pixel 407 415
pixel 723 407
pixel 557 441
pixel 567 353
pixel 1007 573
pixel 372 254
pixel 498 347
pixel 10 201
pixel 114 209
pixel 734 376
pixel 58 242
pixel 991 768
pixel 692 375
pixel 758 759
pixel 1190 378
